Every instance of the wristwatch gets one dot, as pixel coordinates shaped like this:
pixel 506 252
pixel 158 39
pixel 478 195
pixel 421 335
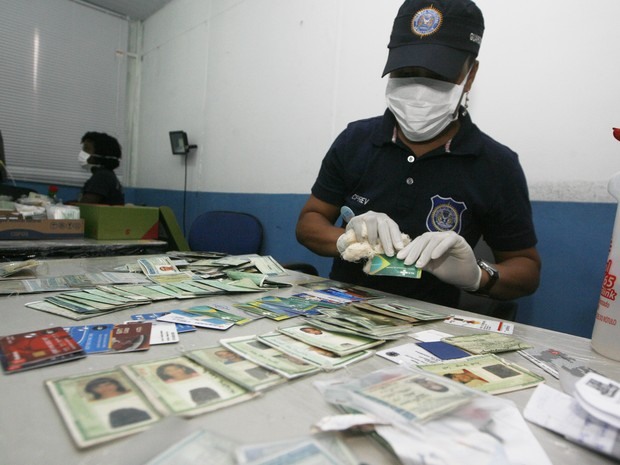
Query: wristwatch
pixel 493 277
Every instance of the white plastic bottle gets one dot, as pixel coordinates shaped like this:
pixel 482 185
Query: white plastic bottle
pixel 606 333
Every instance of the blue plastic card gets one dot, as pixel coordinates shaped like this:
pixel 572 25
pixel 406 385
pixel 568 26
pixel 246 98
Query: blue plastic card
pixel 443 350
pixel 92 338
pixel 181 328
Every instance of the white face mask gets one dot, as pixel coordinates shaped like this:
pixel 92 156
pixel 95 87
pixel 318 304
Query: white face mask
pixel 83 159
pixel 423 107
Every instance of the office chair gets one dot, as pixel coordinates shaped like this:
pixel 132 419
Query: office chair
pixel 234 233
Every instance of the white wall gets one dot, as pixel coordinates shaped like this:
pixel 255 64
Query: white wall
pixel 548 88
pixel 264 86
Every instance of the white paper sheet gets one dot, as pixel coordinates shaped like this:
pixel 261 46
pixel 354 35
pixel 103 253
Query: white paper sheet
pixel 559 412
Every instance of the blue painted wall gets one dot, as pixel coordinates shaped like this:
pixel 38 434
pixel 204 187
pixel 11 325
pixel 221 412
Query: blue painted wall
pixel 573 243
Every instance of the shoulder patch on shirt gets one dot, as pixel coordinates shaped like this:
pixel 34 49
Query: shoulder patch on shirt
pixel 445 214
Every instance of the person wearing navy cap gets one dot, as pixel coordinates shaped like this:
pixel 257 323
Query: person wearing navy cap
pixel 424 171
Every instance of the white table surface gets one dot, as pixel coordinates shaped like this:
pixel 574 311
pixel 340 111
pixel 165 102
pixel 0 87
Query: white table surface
pixel 33 433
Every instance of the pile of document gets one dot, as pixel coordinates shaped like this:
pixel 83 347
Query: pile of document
pixel 590 417
pixel 374 319
pixel 148 280
pixel 418 413
pixel 197 381
pixel 600 397
pixel 317 449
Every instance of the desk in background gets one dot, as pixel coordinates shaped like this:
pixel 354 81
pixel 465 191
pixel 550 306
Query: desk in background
pixel 77 248
pixel 32 431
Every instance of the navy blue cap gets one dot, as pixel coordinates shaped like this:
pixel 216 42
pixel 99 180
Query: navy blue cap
pixel 438 35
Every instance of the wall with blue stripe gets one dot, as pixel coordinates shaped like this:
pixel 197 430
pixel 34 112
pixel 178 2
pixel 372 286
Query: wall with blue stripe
pixel 573 244
pixel 574 240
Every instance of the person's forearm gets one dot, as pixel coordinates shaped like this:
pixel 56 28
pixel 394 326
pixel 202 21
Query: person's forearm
pixel 317 234
pixel 519 277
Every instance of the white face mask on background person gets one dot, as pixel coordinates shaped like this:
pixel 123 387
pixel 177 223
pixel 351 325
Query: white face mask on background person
pixel 83 159
pixel 422 106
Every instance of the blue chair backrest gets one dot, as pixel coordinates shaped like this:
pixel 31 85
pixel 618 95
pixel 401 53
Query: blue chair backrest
pixel 229 232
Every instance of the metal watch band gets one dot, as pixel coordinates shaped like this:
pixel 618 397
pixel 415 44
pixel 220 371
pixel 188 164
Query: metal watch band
pixel 493 277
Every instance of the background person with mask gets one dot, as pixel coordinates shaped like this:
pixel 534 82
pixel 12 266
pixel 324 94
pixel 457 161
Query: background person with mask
pixel 101 154
pixel 424 169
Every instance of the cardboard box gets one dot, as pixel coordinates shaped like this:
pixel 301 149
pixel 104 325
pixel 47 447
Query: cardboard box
pixel 119 222
pixel 41 229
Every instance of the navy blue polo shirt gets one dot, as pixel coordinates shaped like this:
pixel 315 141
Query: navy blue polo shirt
pixel 473 186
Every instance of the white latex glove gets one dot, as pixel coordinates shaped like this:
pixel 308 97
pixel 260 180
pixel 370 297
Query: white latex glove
pixel 345 240
pixel 377 228
pixel 446 255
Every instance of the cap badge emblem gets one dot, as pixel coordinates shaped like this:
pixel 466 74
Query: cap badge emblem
pixel 426 21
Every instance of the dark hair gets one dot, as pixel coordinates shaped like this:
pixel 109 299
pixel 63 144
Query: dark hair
pixel 104 146
pixel 161 370
pixel 94 383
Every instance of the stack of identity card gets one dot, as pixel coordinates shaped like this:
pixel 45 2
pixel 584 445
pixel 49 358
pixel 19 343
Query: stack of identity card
pixel 104 405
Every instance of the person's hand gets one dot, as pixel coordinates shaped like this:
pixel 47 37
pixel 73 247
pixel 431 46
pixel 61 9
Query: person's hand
pixel 345 240
pixel 377 228
pixel 446 255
